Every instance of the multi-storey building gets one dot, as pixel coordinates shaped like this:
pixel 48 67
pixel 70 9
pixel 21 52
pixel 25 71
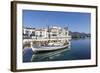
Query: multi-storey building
pixel 51 32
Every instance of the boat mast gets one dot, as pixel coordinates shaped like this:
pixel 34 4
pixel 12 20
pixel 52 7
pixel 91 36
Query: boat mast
pixel 48 32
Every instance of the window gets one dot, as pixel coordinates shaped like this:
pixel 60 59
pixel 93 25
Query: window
pixel 32 34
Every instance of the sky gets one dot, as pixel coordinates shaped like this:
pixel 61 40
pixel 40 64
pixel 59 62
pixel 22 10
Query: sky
pixel 75 21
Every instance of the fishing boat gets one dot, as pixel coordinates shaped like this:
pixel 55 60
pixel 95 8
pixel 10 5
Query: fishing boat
pixel 48 48
pixel 52 44
pixel 46 39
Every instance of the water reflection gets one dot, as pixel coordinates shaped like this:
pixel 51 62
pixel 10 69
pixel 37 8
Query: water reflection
pixel 48 56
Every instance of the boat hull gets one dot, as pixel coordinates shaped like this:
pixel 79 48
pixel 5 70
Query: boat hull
pixel 45 49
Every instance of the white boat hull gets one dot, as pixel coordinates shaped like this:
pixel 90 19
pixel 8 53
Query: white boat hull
pixel 48 48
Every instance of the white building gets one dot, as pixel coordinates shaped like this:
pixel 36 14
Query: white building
pixel 51 32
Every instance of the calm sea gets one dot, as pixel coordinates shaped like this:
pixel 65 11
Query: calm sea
pixel 79 49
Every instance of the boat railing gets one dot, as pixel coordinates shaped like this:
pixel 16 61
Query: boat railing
pixel 47 37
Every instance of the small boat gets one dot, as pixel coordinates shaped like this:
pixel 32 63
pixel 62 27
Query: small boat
pixel 51 44
pixel 49 47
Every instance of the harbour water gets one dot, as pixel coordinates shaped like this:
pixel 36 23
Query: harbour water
pixel 79 49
